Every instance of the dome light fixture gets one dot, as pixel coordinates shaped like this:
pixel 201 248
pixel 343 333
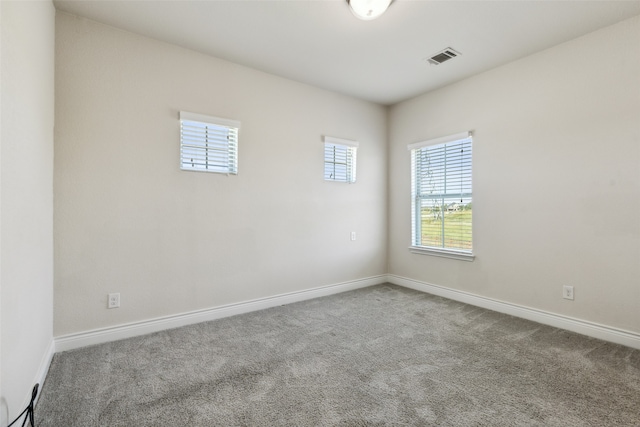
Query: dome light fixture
pixel 368 9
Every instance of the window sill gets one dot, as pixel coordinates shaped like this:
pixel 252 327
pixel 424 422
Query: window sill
pixel 445 253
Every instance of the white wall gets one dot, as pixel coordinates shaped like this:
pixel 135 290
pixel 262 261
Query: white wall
pixel 26 195
pixel 128 220
pixel 556 179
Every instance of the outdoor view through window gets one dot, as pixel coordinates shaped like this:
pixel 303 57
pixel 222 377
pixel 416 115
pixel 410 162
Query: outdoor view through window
pixel 442 195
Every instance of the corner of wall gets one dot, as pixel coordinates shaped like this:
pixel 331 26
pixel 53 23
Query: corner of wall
pixel 26 200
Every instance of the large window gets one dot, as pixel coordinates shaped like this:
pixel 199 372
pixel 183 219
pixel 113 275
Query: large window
pixel 208 144
pixel 340 159
pixel 441 202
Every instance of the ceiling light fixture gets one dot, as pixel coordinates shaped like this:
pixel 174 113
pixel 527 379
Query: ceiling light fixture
pixel 368 9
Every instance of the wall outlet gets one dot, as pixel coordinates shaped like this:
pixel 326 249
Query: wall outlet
pixel 353 235
pixel 114 300
pixel 567 292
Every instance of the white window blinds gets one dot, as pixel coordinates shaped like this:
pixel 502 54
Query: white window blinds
pixel 208 144
pixel 340 159
pixel 442 193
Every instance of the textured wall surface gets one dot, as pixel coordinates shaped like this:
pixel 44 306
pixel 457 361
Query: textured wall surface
pixel 128 220
pixel 556 178
pixel 26 190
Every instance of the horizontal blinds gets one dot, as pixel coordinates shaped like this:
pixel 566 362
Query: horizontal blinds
pixel 442 194
pixel 201 118
pixel 340 141
pixel 444 169
pixel 339 159
pixel 441 140
pixel 339 163
pixel 210 147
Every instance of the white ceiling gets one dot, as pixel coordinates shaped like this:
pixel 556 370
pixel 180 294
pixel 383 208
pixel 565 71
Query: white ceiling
pixel 321 43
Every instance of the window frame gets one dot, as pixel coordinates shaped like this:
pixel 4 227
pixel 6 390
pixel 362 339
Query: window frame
pixel 194 122
pixel 350 153
pixel 417 197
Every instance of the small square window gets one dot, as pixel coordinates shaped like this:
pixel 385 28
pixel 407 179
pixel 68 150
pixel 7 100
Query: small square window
pixel 208 144
pixel 340 159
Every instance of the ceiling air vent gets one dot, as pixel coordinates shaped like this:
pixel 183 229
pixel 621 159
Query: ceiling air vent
pixel 443 56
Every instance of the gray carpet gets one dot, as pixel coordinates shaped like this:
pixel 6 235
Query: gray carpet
pixel 379 356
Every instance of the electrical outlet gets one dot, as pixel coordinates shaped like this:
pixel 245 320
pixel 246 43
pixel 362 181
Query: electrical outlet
pixel 114 300
pixel 353 235
pixel 567 292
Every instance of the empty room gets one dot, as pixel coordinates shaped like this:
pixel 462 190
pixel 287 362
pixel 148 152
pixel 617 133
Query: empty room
pixel 319 213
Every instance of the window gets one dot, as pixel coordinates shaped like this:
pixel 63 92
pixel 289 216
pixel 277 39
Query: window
pixel 340 159
pixel 208 144
pixel 441 202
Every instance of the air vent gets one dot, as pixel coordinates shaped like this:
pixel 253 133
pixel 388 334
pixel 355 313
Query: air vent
pixel 443 56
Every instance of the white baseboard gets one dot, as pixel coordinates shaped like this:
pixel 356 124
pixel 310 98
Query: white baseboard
pixel 595 330
pixel 41 374
pixel 99 336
